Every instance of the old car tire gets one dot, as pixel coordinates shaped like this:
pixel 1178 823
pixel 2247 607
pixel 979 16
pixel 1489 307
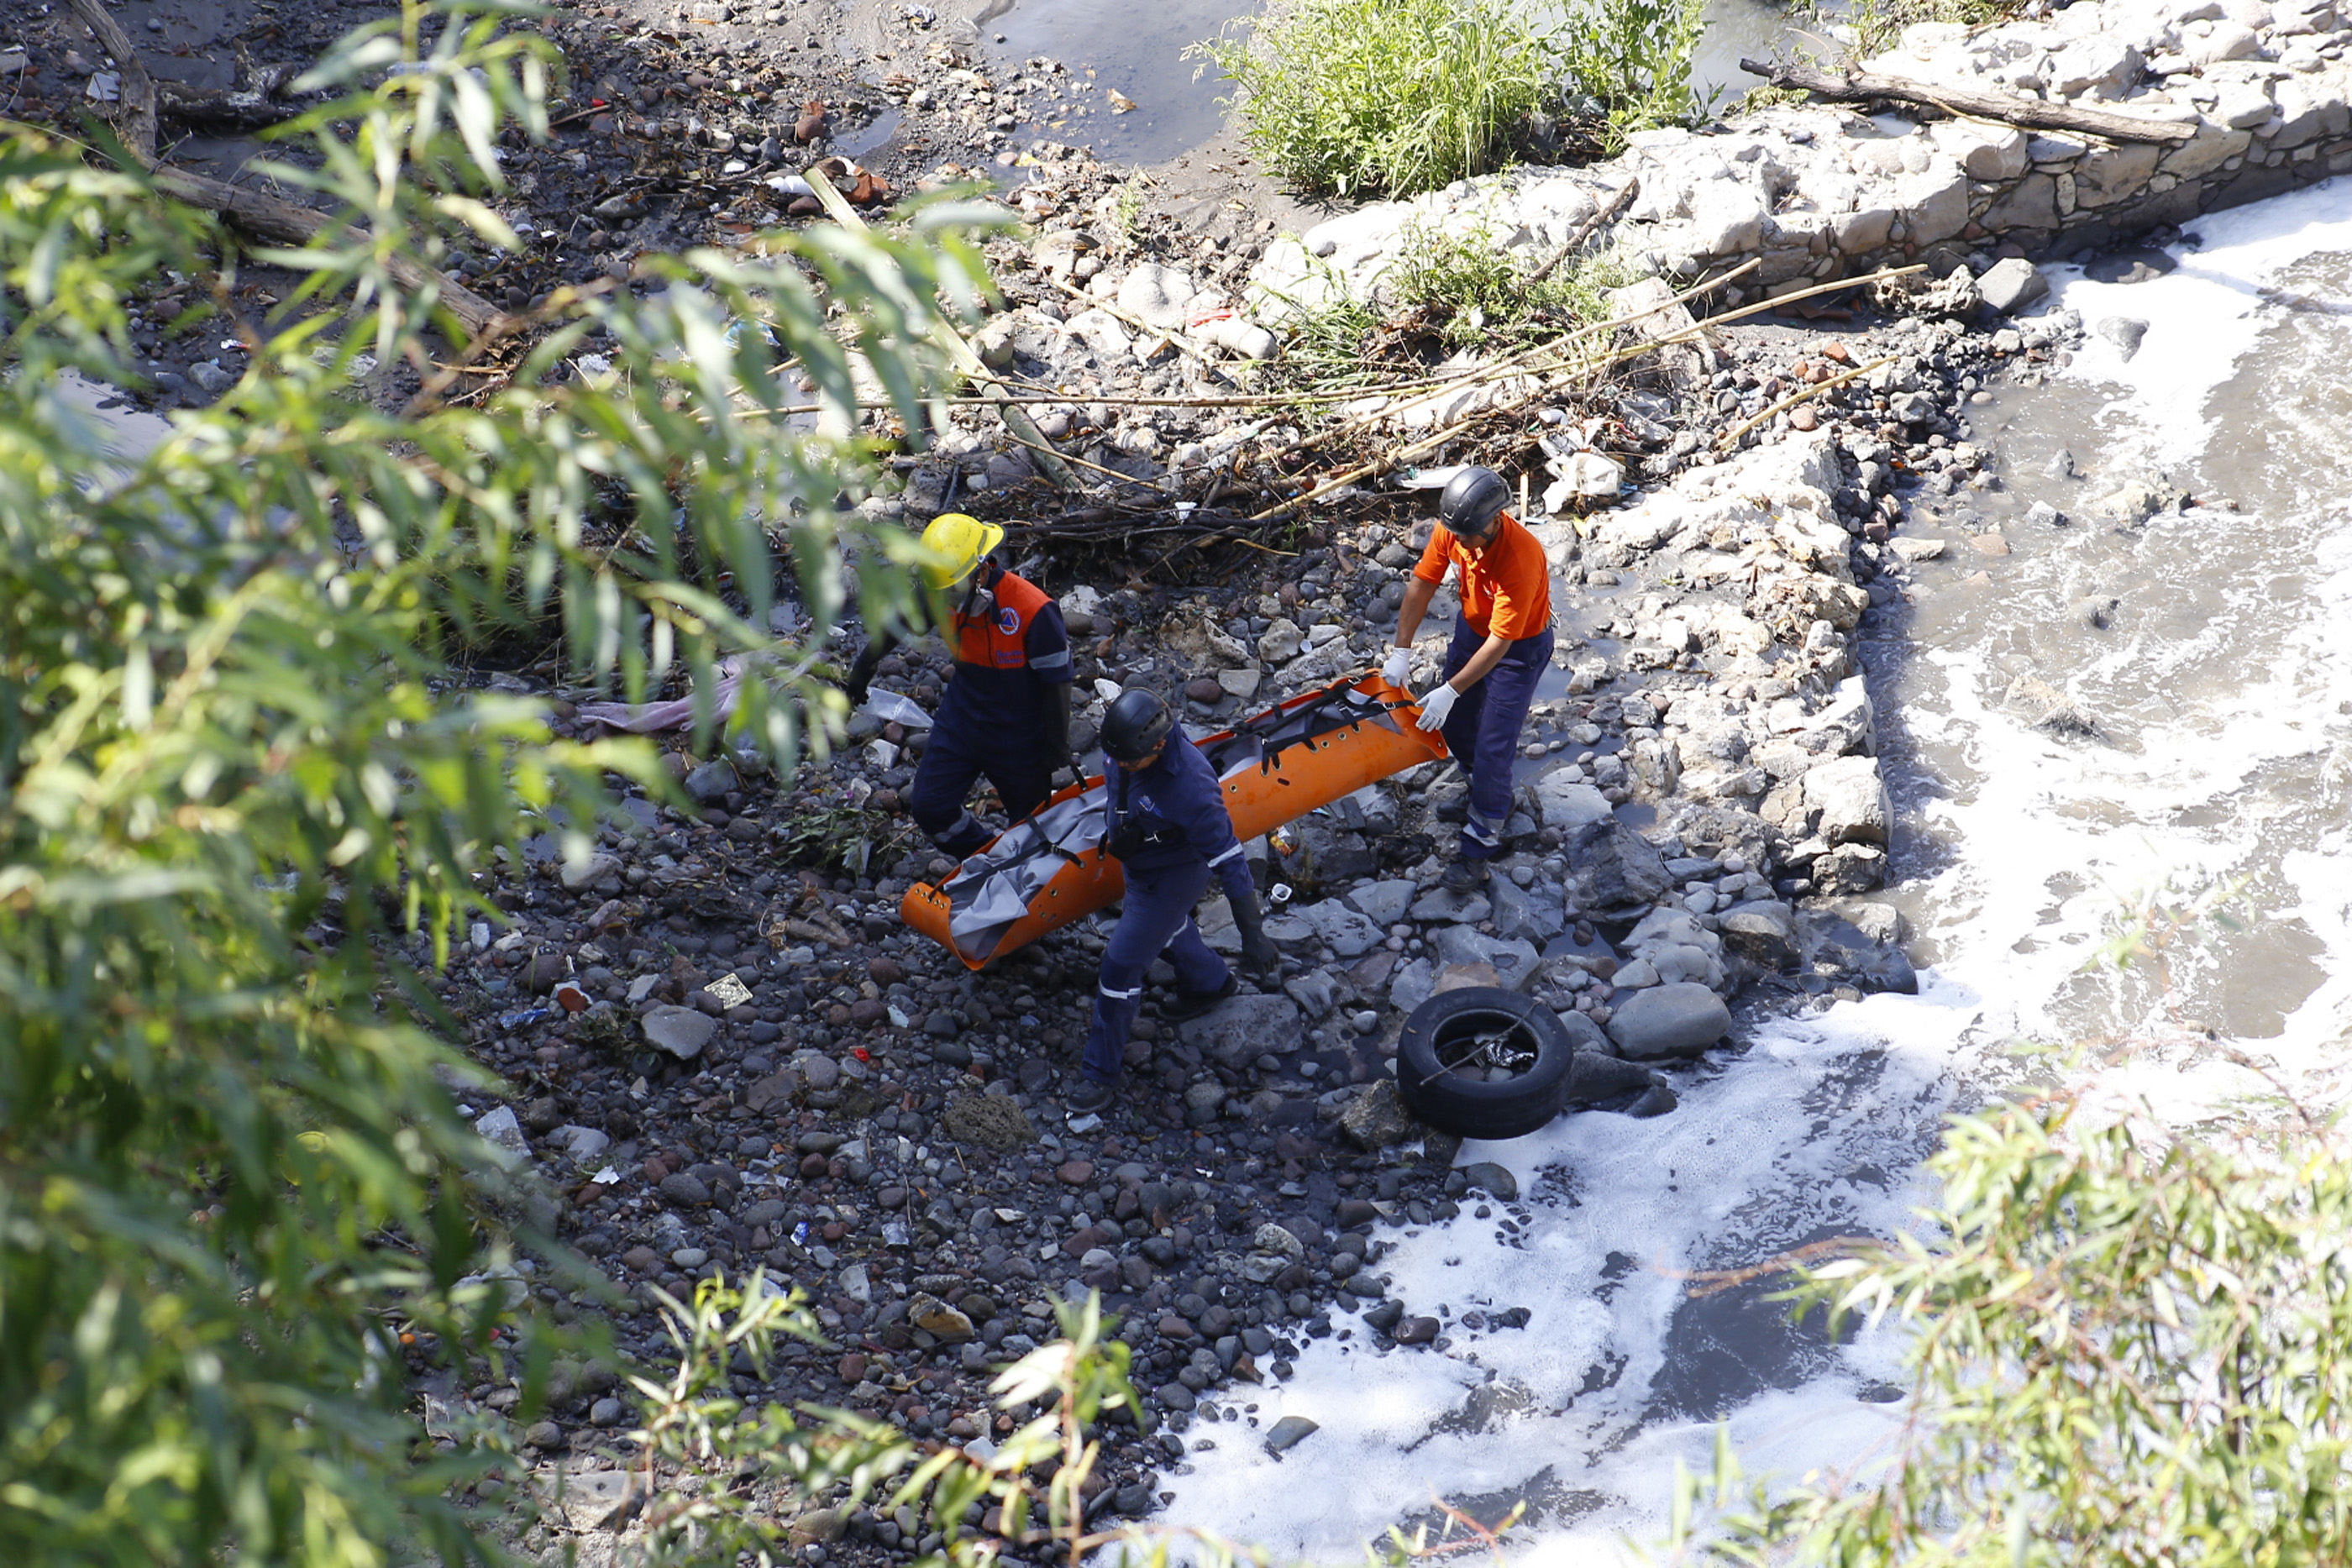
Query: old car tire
pixel 1484 1062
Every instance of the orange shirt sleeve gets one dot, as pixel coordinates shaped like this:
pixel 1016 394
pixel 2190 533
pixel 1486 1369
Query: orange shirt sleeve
pixel 1436 556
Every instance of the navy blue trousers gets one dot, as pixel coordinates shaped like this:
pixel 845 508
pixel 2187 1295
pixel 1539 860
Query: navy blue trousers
pixel 1156 918
pixel 1482 730
pixel 952 758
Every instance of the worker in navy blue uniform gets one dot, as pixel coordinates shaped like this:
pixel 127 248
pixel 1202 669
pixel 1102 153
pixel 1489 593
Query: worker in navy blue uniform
pixel 1165 822
pixel 1006 713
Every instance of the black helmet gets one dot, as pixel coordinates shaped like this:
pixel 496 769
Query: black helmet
pixel 1136 727
pixel 1473 499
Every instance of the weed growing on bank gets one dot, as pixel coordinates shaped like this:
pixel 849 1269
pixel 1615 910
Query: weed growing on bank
pixel 1386 98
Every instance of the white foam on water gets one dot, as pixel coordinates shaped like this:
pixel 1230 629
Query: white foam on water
pixel 2223 718
pixel 2202 318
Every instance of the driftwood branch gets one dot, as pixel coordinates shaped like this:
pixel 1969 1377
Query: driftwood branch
pixel 137 121
pixel 1617 204
pixel 264 217
pixel 2032 114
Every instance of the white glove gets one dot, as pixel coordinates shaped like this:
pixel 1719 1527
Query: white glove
pixel 1398 666
pixel 1437 704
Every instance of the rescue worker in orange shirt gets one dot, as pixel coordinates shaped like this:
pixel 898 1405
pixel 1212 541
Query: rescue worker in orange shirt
pixel 1006 713
pixel 1501 645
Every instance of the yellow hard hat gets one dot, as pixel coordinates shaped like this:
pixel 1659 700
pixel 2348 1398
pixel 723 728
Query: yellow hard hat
pixel 957 544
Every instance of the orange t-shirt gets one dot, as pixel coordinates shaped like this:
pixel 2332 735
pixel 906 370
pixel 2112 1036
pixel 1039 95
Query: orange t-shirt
pixel 1507 593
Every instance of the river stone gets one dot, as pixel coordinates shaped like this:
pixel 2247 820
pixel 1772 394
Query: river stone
pixel 1536 914
pixel 1571 805
pixel 1416 1331
pixel 1461 946
pixel 1377 1118
pixel 1845 952
pixel 1290 1432
pixel 1763 931
pixel 1679 1021
pixel 684 1189
pixel 1852 800
pixel 709 783
pixel 936 1318
pixel 1412 984
pixel 1344 931
pixel 820 1527
pixel 499 1126
pixel 1584 1035
pixel 1610 866
pixel 1272 1237
pixel 1594 1078
pixel 2012 285
pixel 1494 1179
pixel 681 1031
pixel 991 1120
pixel 1315 992
pixel 590 871
pixel 1240 1029
pixel 594 1499
pixel 1385 901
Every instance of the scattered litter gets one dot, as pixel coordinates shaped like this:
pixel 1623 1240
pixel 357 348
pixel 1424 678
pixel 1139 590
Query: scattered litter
pixel 729 991
pixel 105 87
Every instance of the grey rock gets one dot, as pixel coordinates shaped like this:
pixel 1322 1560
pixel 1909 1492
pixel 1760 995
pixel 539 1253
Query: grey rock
pixel 1850 799
pixel 820 1527
pixel 2126 332
pixel 499 1126
pixel 1494 1179
pixel 938 1319
pixel 681 1031
pixel 1513 961
pixel 1679 1021
pixel 209 377
pixel 2045 514
pixel 594 1499
pixel 1342 929
pixel 1841 951
pixel 590 871
pixel 1763 932
pixel 2010 285
pixel 1445 903
pixel 1174 1396
pixel 1271 1238
pixel 1594 1078
pixel 709 783
pixel 1240 1029
pixel 1569 804
pixel 1314 991
pixel 1585 1035
pixel 1290 1432
pixel 1611 867
pixel 1416 1331
pixel 1411 984
pixel 1204 1103
pixel 1377 1118
pixel 685 1189
pixel 1850 868
pixel 1384 902
pixel 1535 913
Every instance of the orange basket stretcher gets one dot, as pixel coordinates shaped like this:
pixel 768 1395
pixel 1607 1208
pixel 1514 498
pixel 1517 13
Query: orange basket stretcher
pixel 1048 869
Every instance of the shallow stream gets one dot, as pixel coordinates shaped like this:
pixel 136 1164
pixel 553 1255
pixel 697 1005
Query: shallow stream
pixel 1139 49
pixel 2218 685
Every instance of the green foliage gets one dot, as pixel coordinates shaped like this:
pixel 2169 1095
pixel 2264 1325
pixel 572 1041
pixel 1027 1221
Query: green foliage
pixel 235 1194
pixel 696 1431
pixel 1480 296
pixel 1391 98
pixel 1867 27
pixel 2126 1349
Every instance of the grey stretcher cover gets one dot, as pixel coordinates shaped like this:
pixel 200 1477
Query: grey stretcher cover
pixel 995 886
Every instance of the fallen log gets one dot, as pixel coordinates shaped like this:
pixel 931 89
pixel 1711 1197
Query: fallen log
pixel 2028 114
pixel 263 215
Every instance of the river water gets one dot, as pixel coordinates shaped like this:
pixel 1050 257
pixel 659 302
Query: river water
pixel 2219 686
pixel 1139 49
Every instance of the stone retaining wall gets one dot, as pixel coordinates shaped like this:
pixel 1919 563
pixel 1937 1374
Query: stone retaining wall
pixel 1818 191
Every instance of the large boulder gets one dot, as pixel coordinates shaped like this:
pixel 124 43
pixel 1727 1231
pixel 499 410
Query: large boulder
pixel 1240 1029
pixel 1611 867
pixel 1852 800
pixel 1763 931
pixel 1665 1021
pixel 1570 804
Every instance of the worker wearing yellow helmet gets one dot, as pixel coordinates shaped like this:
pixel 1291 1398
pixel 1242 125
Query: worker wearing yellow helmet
pixel 1006 713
